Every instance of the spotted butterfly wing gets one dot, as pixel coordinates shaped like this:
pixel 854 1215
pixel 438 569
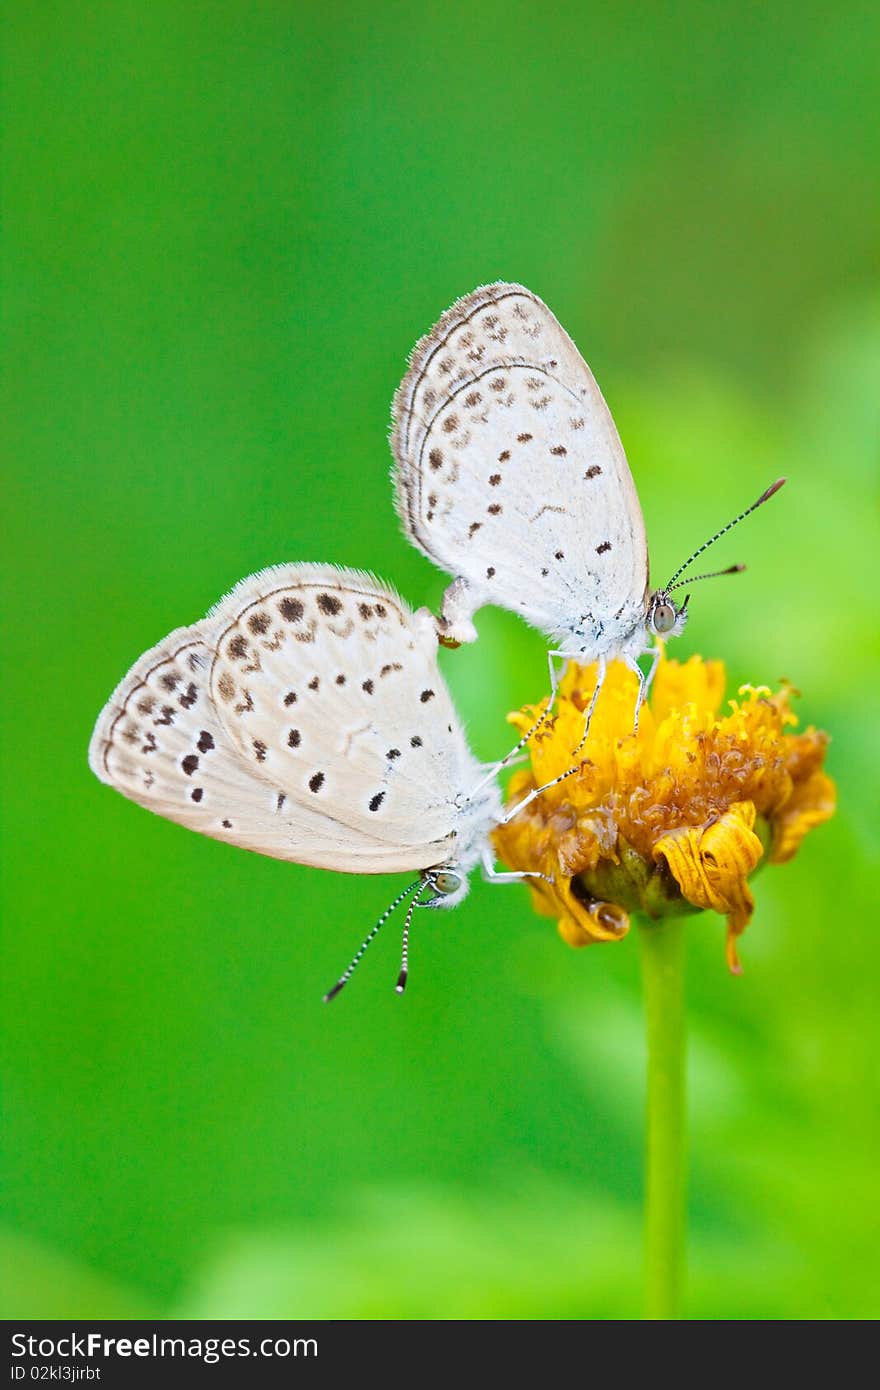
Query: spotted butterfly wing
pixel 160 742
pixel 510 474
pixel 166 743
pixel 326 682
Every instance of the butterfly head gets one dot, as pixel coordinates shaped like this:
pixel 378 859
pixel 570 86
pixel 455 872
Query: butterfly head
pixel 448 885
pixel 664 619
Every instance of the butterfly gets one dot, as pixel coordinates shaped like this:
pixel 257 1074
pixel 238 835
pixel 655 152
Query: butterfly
pixel 510 475
pixel 305 718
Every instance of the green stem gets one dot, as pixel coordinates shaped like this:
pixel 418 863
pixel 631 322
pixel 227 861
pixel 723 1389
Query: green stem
pixel 663 979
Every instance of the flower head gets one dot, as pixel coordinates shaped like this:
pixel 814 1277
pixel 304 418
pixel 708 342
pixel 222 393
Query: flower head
pixel 671 819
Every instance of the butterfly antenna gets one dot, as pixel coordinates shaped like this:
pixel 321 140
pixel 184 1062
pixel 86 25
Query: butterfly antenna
pixel 347 974
pixel 731 569
pixel 765 497
pixel 404 959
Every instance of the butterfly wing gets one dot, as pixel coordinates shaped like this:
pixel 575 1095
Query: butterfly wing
pixel 161 742
pixel 327 684
pixel 509 469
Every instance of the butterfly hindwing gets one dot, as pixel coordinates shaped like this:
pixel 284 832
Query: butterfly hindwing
pixel 509 469
pixel 163 743
pixel 325 681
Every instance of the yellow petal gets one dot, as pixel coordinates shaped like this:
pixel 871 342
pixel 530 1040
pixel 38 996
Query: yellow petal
pixel 810 803
pixel 681 795
pixel 693 682
pixel 585 924
pixel 711 864
pixel 526 843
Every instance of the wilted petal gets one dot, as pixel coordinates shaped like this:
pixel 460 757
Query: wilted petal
pixel 711 865
pixel 811 802
pixel 662 821
pixel 591 922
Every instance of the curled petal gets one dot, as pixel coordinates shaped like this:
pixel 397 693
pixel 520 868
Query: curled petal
pixel 592 921
pixel 582 918
pixel 672 817
pixel 711 865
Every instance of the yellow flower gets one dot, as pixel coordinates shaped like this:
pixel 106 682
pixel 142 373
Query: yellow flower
pixel 671 819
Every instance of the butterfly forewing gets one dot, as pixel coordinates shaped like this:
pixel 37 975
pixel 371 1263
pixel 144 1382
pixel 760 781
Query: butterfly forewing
pixel 510 471
pixel 327 684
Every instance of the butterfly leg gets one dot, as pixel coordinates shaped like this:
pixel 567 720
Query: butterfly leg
pixel 600 681
pixel 575 767
pixel 493 875
pixel 536 792
pixel 644 681
pixel 495 768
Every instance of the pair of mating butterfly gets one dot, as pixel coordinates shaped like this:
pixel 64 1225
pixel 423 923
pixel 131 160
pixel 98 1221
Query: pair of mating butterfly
pixel 305 716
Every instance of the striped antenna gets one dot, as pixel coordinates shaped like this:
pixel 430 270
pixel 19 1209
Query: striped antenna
pixel 404 960
pixel 347 974
pixel 715 574
pixel 765 497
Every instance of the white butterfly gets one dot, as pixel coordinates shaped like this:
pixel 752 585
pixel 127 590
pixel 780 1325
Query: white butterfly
pixel 305 718
pixel 510 475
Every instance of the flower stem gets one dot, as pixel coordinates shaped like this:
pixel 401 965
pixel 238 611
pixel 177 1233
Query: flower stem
pixel 663 980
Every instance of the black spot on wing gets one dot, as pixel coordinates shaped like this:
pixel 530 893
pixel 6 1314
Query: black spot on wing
pixel 291 609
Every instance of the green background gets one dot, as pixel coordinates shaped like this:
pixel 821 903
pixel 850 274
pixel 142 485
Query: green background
pixel 225 226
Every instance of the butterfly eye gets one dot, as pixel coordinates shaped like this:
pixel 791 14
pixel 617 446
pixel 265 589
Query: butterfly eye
pixel 663 618
pixel 446 882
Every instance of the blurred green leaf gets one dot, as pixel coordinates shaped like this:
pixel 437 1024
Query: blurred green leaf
pixel 227 227
pixel 37 1282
